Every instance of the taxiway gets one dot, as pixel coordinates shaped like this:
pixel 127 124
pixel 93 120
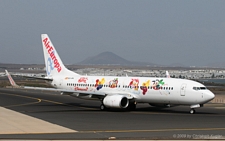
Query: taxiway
pixel 82 119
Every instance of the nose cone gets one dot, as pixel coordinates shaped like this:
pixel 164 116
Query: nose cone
pixel 208 96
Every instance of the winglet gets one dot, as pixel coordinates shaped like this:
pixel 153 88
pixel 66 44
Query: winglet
pixel 167 74
pixel 12 82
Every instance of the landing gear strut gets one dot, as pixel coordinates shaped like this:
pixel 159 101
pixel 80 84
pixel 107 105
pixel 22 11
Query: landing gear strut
pixel 132 106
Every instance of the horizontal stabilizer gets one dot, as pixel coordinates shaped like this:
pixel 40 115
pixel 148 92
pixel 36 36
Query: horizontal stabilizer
pixel 35 77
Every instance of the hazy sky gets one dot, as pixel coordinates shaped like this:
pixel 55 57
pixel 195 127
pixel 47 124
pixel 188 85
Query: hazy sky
pixel 189 32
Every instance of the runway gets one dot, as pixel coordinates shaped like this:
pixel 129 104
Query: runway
pixel 84 120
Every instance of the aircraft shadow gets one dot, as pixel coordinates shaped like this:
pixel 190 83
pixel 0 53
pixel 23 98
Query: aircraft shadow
pixel 83 107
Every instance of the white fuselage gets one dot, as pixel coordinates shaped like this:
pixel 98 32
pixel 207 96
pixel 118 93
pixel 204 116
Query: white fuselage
pixel 143 89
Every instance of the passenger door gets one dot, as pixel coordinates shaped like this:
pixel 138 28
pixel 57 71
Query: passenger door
pixel 183 89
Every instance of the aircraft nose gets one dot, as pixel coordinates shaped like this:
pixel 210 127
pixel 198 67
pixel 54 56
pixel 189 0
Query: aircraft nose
pixel 209 96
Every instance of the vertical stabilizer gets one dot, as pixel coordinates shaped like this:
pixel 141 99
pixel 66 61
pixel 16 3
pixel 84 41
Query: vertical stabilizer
pixel 53 63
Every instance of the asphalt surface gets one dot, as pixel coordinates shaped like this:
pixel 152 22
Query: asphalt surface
pixel 84 116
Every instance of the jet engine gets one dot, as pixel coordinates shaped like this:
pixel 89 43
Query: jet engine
pixel 116 101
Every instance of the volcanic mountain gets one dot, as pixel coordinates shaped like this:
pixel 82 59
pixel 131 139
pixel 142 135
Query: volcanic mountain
pixel 109 58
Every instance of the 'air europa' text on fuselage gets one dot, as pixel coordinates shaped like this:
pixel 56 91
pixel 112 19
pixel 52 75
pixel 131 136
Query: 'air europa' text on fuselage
pixel 52 54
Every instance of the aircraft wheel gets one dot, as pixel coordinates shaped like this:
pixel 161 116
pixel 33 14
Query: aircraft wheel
pixel 192 111
pixel 102 107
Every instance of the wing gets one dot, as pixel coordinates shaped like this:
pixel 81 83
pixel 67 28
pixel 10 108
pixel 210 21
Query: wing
pixel 90 94
pixel 65 91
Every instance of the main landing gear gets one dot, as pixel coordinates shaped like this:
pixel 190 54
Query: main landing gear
pixel 102 107
pixel 132 106
pixel 192 111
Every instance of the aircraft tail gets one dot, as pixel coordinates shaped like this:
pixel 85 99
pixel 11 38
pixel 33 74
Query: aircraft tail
pixel 53 63
pixel 12 82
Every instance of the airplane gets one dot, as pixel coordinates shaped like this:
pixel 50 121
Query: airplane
pixel 121 92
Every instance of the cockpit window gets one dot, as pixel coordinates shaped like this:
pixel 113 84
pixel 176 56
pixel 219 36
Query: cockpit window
pixel 199 88
pixel 202 88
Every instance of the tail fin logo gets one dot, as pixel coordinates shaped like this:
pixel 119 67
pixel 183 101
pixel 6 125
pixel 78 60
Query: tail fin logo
pixel 50 66
pixel 52 59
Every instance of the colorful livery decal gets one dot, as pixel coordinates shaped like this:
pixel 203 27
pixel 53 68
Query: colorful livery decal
pixel 80 89
pixel 134 84
pixel 113 83
pixel 145 86
pixel 157 84
pixel 83 79
pixel 99 84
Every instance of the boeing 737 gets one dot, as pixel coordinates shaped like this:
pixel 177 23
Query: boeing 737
pixel 120 92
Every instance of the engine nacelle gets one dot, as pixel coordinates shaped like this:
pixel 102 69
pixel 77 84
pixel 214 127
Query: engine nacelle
pixel 116 101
